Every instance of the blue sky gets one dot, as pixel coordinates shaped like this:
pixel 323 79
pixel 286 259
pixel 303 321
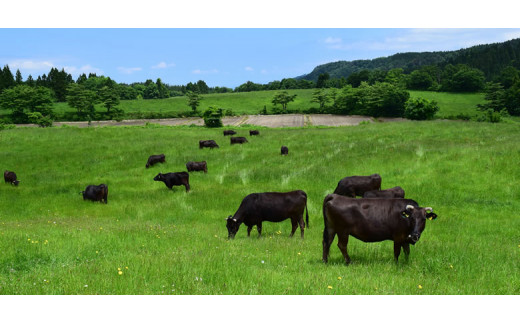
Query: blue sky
pixel 219 56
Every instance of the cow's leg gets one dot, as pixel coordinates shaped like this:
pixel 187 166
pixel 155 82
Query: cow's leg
pixel 342 245
pixel 187 185
pixel 406 249
pixel 328 237
pixel 294 224
pixel 302 225
pixel 259 228
pixel 249 228
pixel 397 250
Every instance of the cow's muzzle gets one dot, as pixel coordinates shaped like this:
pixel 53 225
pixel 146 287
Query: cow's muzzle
pixel 414 237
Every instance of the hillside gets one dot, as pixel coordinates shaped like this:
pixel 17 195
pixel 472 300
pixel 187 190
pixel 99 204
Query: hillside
pixel 490 58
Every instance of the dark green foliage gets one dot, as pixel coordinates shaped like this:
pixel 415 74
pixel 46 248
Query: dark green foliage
pixel 193 99
pixel 23 99
pixel 39 119
pixel 462 78
pixel 283 98
pixel 500 99
pixel 322 80
pixel 378 100
pixel 82 99
pixel 213 117
pixel 420 109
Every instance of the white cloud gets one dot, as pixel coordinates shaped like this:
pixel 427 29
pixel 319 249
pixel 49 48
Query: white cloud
pixel 87 69
pixel 129 70
pixel 163 65
pixel 198 71
pixel 249 68
pixel 332 40
pixel 33 65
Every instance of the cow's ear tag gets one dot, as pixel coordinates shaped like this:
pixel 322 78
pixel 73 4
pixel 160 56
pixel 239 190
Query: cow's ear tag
pixel 405 215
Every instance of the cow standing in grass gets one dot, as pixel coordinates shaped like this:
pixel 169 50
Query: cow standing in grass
pixel 229 132
pixel 394 192
pixel 353 186
pixel 154 159
pixel 96 193
pixel 208 144
pixel 10 177
pixel 373 220
pixel 284 150
pixel 238 140
pixel 174 179
pixel 197 166
pixel 271 206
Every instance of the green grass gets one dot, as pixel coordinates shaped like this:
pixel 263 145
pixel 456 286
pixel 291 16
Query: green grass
pixel 53 242
pixel 450 104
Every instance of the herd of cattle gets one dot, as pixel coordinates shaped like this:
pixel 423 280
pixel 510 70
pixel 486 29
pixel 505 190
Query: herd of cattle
pixel 379 215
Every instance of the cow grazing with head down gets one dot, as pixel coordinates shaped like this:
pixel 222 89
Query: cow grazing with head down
pixel 10 177
pixel 208 144
pixel 353 186
pixel 229 132
pixel 273 207
pixel 197 166
pixel 174 179
pixel 96 193
pixel 254 132
pixel 284 150
pixel 394 192
pixel 154 159
pixel 373 220
pixel 238 140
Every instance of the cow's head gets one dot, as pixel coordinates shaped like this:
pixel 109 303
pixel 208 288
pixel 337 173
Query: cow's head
pixel 232 226
pixel 16 182
pixel 417 217
pixel 158 177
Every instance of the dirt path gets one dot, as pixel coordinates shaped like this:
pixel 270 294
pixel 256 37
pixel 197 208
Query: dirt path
pixel 271 121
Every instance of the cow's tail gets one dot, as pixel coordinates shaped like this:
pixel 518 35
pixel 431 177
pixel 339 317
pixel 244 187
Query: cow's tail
pixel 327 199
pixel 306 215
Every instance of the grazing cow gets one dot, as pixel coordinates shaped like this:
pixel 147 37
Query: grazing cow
pixel 174 179
pixel 373 220
pixel 394 192
pixel 353 186
pixel 10 177
pixel 238 140
pixel 154 159
pixel 96 193
pixel 254 132
pixel 197 166
pixel 229 132
pixel 272 207
pixel 284 150
pixel 208 144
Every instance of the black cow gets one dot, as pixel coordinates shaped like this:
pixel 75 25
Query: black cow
pixel 197 166
pixel 373 220
pixel 254 132
pixel 10 177
pixel 284 150
pixel 96 193
pixel 273 207
pixel 238 140
pixel 174 179
pixel 229 132
pixel 208 144
pixel 394 192
pixel 353 186
pixel 154 159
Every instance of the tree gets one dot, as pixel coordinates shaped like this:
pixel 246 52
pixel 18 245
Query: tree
pixel 81 99
pixel 420 109
pixel 58 82
pixel 462 78
pixel 18 77
pixel 6 78
pixel 162 90
pixel 319 96
pixel 194 99
pixel 109 98
pixel 420 80
pixel 283 98
pixel 23 99
pixel 203 87
pixel 322 80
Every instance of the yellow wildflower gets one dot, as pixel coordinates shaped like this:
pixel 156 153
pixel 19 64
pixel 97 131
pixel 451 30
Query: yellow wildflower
pixel 420 286
pixel 120 272
pixel 339 278
pixel 329 287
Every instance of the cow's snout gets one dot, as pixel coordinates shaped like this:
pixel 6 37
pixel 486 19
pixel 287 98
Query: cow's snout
pixel 414 237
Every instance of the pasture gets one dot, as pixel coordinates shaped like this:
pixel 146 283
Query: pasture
pixel 151 240
pixel 450 104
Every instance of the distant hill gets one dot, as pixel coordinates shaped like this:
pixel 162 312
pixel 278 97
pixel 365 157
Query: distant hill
pixel 490 59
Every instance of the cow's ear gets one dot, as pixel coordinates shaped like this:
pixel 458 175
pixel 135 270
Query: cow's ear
pixel 431 216
pixel 407 211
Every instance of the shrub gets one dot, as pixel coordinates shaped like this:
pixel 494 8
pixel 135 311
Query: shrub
pixel 39 119
pixel 492 116
pixel 420 109
pixel 213 117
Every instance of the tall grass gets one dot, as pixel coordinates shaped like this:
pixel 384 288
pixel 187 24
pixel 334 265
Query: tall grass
pixel 172 242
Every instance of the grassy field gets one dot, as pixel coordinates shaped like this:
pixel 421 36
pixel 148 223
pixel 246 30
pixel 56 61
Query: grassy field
pixel 151 240
pixel 450 104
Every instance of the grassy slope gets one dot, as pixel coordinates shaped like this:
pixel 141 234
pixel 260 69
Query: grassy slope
pixel 254 102
pixel 52 242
